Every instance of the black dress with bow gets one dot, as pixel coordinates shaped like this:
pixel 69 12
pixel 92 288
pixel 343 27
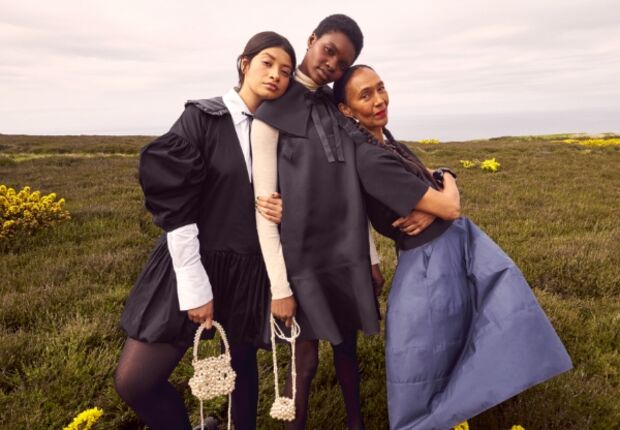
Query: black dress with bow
pixel 324 229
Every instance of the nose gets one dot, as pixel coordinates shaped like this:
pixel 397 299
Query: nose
pixel 274 74
pixel 379 100
pixel 330 63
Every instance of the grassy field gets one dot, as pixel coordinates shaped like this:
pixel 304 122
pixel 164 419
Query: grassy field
pixel 553 206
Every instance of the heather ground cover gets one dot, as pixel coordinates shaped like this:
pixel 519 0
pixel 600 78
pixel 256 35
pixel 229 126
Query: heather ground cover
pixel 553 206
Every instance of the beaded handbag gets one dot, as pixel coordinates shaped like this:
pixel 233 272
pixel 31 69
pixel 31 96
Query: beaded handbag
pixel 283 408
pixel 213 376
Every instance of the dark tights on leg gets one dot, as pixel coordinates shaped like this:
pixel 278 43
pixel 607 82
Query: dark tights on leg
pixel 141 380
pixel 347 372
pixel 245 396
pixel 306 361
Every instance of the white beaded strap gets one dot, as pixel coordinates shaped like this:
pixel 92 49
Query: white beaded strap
pixel 213 376
pixel 283 408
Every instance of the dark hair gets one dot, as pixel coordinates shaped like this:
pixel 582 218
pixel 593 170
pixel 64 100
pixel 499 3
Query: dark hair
pixel 264 40
pixel 340 86
pixel 343 24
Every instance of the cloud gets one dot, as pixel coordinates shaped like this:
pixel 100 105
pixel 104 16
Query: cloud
pixel 82 67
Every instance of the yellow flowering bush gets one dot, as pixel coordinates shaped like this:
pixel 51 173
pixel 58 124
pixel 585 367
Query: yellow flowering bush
pixel 429 141
pixel 490 165
pixel 600 143
pixel 85 420
pixel 27 211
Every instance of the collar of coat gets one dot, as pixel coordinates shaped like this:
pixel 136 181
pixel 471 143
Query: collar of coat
pixel 291 112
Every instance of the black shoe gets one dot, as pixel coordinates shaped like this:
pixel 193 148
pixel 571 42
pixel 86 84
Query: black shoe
pixel 210 424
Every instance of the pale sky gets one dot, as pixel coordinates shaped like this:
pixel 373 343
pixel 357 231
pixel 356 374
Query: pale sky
pixel 455 69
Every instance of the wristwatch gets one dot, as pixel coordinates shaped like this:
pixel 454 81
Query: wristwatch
pixel 438 174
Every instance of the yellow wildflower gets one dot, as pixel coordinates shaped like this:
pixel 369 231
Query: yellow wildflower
pixel 85 420
pixel 517 428
pixel 490 165
pixel 468 163
pixel 2 189
pixel 463 426
pixel 429 141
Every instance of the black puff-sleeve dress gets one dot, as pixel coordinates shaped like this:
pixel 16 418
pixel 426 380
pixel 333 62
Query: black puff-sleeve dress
pixel 196 173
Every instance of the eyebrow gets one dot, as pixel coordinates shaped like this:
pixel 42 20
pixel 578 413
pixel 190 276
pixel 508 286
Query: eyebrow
pixel 332 46
pixel 290 66
pixel 378 84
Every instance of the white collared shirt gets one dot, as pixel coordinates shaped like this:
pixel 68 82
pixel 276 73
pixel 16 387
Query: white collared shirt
pixel 239 114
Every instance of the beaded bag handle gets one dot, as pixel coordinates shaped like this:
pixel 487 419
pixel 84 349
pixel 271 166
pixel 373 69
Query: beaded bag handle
pixel 283 408
pixel 213 376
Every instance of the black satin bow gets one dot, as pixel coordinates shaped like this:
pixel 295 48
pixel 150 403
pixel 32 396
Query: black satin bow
pixel 323 118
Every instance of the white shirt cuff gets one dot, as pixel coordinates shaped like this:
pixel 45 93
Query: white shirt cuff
pixel 193 286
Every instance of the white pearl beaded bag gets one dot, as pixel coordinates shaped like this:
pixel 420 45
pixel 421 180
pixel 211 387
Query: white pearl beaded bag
pixel 283 408
pixel 213 376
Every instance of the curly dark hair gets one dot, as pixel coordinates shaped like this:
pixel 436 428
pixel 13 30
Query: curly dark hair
pixel 343 24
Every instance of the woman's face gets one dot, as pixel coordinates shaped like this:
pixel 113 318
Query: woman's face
pixel 328 57
pixel 366 99
pixel 268 74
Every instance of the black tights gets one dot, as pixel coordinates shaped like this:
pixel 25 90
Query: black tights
pixel 347 372
pixel 141 380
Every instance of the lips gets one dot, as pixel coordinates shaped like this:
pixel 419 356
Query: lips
pixel 381 113
pixel 271 87
pixel 323 74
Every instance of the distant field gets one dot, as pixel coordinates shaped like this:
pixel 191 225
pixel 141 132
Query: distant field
pixel 553 206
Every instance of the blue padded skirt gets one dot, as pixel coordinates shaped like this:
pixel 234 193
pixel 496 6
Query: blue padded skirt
pixel 464 332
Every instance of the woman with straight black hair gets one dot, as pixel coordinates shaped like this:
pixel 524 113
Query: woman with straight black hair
pixel 197 184
pixel 463 330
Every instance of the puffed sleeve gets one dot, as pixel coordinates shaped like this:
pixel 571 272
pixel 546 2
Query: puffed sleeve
pixel 172 172
pixel 385 178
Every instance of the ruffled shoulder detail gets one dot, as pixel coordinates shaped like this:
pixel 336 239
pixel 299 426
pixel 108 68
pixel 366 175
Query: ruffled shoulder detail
pixel 213 106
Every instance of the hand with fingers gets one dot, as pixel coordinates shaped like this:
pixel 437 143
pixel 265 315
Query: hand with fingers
pixel 414 223
pixel 270 207
pixel 201 314
pixel 284 309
